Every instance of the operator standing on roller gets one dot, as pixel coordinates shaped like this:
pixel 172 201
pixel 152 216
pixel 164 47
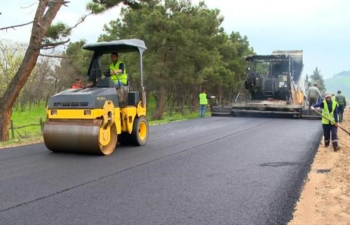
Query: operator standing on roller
pixel 330 125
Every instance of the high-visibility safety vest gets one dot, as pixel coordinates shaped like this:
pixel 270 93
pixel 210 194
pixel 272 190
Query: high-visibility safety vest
pixel 203 99
pixel 121 77
pixel 327 114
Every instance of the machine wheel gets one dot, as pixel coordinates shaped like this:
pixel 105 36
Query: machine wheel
pixel 139 135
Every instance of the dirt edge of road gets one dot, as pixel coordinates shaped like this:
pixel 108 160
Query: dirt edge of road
pixel 325 198
pixel 23 142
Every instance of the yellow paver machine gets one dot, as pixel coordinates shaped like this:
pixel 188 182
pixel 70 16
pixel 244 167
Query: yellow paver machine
pixel 94 120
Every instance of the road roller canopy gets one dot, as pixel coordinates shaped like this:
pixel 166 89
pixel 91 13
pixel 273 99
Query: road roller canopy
pixel 126 45
pixel 101 48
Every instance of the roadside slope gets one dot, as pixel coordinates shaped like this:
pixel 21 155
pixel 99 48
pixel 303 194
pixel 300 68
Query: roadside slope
pixel 326 195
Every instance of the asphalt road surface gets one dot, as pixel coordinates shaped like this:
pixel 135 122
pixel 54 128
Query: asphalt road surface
pixel 216 170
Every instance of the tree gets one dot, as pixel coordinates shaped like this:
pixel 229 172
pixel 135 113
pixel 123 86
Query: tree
pixel 317 78
pixel 38 80
pixel 232 72
pixel 44 15
pixel 307 81
pixel 11 55
pixel 186 49
pixel 44 35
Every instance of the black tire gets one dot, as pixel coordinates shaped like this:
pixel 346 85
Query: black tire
pixel 124 139
pixel 139 135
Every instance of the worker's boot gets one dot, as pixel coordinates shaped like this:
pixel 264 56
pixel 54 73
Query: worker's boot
pixel 326 144
pixel 336 148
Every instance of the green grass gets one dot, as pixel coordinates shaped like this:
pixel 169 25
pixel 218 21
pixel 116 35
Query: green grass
pixel 28 134
pixel 26 117
pixel 166 118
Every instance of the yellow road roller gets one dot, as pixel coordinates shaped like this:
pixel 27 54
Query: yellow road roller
pixel 95 119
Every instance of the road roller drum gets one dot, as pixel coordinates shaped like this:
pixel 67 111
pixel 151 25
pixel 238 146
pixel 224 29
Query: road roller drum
pixel 79 137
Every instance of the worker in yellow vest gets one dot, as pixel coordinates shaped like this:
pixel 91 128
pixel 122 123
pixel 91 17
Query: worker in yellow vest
pixel 329 120
pixel 203 102
pixel 118 71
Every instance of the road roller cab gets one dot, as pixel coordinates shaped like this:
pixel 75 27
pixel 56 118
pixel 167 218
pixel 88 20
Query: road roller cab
pixel 94 120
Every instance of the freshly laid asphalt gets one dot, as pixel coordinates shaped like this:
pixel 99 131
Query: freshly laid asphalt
pixel 215 170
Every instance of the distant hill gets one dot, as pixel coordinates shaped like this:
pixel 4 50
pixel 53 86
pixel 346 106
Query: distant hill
pixel 340 81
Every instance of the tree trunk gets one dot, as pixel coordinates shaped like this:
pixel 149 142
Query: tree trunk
pixel 182 105
pixel 171 104
pixel 4 125
pixel 47 100
pixel 23 105
pixel 44 15
pixel 161 105
pixel 193 102
pixel 148 94
pixel 30 105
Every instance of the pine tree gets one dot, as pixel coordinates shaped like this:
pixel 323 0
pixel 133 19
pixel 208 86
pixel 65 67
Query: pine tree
pixel 317 78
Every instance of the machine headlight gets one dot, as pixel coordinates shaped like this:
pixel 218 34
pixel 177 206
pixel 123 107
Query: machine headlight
pixel 87 112
pixel 53 112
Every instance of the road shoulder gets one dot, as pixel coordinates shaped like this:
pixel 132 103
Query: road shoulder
pixel 325 198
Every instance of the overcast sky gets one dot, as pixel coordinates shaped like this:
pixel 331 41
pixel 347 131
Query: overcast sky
pixel 318 27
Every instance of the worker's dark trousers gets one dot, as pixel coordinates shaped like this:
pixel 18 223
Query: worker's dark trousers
pixel 202 110
pixel 327 130
pixel 312 101
pixel 341 112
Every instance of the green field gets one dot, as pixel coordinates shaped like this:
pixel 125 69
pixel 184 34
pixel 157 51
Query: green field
pixel 28 117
